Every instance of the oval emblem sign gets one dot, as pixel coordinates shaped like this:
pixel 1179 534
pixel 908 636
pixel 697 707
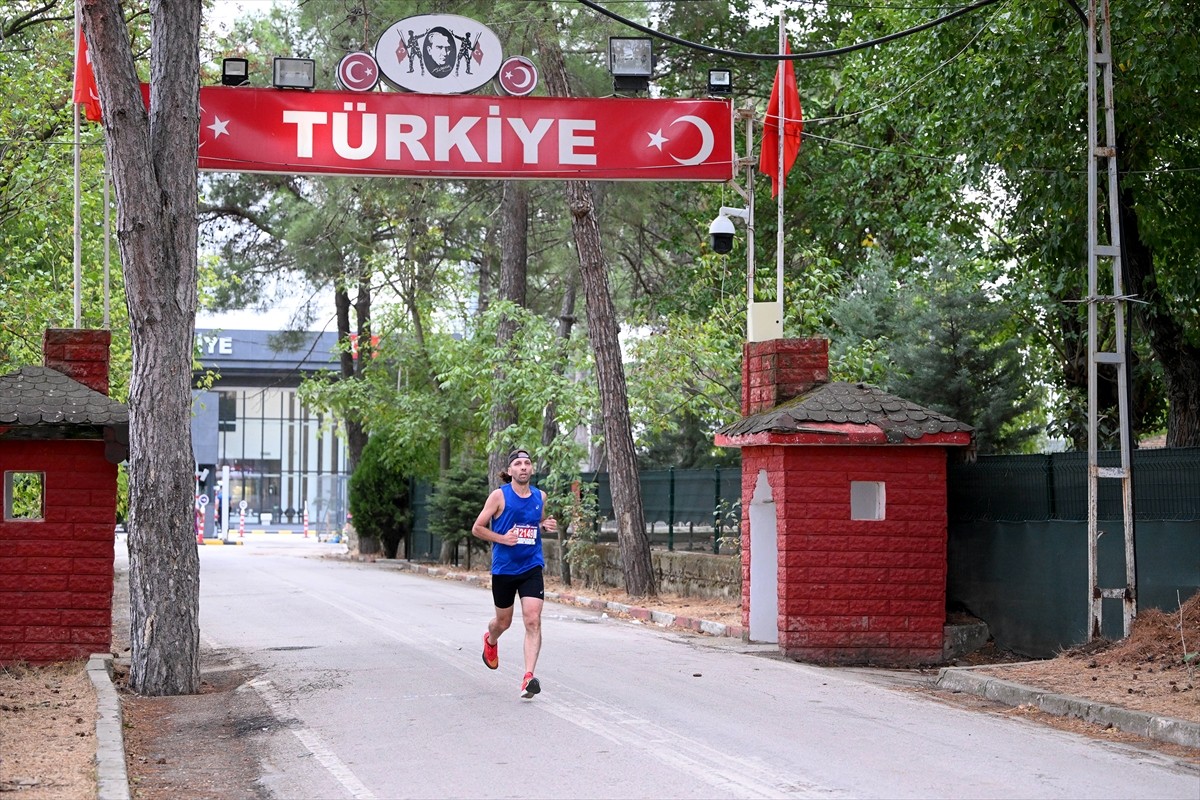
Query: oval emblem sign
pixel 438 54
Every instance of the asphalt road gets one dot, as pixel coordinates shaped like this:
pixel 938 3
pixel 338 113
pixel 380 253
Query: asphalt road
pixel 378 676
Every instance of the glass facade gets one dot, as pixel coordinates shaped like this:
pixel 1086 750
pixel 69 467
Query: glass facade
pixel 282 459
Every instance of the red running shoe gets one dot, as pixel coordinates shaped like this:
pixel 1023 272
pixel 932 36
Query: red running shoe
pixel 530 686
pixel 491 653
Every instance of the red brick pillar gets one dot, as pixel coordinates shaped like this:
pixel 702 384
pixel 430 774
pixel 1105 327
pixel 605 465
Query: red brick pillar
pixel 78 354
pixel 779 370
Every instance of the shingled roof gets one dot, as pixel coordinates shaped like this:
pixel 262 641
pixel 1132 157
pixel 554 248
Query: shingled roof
pixel 840 404
pixel 43 397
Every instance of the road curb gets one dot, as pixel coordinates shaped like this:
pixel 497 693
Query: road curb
pixel 663 619
pixel 112 779
pixel 1162 729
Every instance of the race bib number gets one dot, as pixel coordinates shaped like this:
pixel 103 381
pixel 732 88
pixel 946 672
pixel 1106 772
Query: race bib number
pixel 526 534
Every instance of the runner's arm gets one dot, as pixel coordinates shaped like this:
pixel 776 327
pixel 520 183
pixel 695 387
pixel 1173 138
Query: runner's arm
pixel 549 523
pixel 482 529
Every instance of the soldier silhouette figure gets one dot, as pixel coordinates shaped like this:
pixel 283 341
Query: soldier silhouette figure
pixel 413 45
pixel 464 53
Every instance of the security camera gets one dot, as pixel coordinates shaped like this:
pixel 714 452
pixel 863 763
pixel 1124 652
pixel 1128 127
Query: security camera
pixel 721 233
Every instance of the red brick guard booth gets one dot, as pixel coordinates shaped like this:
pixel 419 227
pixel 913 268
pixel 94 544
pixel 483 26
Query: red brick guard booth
pixel 58 426
pixel 843 512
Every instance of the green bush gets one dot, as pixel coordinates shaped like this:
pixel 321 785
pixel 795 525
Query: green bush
pixel 583 554
pixel 458 497
pixel 379 499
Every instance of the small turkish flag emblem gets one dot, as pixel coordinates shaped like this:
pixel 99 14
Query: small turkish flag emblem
pixel 518 76
pixel 357 72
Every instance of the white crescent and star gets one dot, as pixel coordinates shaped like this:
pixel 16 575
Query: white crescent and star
pixel 657 140
pixel 351 78
pixel 350 71
pixel 528 76
pixel 518 76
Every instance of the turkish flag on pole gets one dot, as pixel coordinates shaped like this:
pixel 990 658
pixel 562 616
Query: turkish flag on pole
pixel 85 81
pixel 789 96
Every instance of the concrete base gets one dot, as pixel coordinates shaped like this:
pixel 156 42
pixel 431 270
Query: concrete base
pixel 962 638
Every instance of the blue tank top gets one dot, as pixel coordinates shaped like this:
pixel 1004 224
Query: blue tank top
pixel 525 514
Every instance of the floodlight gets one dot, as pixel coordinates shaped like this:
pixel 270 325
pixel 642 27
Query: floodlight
pixel 720 81
pixel 294 73
pixel 235 72
pixel 631 62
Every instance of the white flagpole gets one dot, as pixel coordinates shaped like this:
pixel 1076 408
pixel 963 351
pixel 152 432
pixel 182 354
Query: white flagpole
pixel 78 244
pixel 779 81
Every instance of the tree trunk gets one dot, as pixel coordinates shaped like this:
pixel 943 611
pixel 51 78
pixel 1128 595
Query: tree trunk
pixel 351 367
pixel 614 399
pixel 566 321
pixel 153 162
pixel 610 372
pixel 514 258
pixel 1180 360
pixel 356 433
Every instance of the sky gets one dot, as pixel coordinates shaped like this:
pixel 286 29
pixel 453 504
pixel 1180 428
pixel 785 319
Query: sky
pixel 279 315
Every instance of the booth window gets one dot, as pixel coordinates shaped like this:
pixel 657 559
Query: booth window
pixel 24 495
pixel 867 500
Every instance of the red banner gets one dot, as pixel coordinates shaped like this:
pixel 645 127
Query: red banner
pixel 464 136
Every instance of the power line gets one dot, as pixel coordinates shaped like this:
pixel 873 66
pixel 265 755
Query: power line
pixel 907 89
pixel 873 149
pixel 788 56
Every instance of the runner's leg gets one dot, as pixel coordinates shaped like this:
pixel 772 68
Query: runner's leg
pixel 500 623
pixel 531 615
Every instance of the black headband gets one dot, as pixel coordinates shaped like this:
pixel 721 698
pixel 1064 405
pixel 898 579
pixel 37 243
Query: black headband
pixel 515 454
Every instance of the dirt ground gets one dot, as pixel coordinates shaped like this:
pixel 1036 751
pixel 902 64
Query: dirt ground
pixel 207 746
pixel 47 731
pixel 1144 672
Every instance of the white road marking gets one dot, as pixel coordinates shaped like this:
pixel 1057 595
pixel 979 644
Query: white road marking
pixel 729 776
pixel 314 743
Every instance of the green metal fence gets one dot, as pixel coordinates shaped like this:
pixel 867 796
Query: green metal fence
pixel 421 544
pixel 687 509
pixel 693 509
pixel 1166 486
pixel 1017 550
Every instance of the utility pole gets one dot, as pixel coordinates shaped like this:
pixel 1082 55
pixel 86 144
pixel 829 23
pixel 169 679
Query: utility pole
pixel 1106 258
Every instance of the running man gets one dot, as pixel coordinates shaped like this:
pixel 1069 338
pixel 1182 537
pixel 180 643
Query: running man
pixel 512 520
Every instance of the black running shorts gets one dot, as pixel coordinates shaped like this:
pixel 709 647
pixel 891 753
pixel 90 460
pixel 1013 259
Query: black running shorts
pixel 505 588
